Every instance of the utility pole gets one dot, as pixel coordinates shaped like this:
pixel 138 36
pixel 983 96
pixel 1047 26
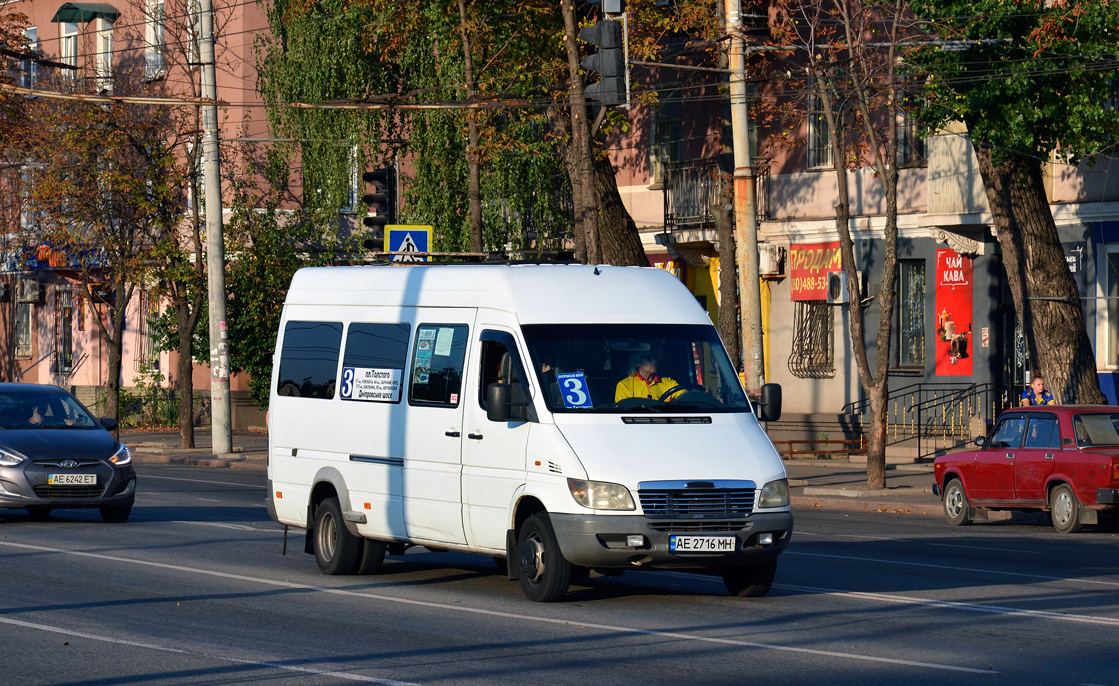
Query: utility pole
pixel 745 208
pixel 215 240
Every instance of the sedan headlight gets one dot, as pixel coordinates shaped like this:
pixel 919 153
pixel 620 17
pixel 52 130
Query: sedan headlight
pixel 599 495
pixel 122 456
pixel 774 494
pixel 10 458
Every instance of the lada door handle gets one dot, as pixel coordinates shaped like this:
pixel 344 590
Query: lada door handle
pixel 1049 456
pixel 1010 456
pixel 476 437
pixel 452 434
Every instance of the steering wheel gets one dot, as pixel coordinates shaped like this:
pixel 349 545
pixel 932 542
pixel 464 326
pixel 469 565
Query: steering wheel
pixel 681 387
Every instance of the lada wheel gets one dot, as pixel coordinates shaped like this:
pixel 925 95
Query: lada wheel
pixel 336 549
pixel 750 582
pixel 1064 510
pixel 545 574
pixel 957 508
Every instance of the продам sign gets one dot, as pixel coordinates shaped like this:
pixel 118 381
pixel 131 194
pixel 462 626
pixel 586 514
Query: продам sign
pixel 809 264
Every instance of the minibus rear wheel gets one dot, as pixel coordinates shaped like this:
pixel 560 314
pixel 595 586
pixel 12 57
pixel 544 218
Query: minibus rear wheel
pixel 750 582
pixel 336 549
pixel 545 574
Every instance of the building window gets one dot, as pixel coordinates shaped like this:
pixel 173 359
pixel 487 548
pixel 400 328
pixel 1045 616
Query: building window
pixel 23 329
pixel 28 68
pixel 911 146
pixel 911 328
pixel 104 65
pixel 813 355
pixel 666 133
pixel 1112 360
pixel 65 329
pixel 819 136
pixel 153 56
pixel 68 47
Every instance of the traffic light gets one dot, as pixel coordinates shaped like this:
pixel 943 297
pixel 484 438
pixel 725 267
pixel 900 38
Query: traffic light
pixel 381 197
pixel 609 62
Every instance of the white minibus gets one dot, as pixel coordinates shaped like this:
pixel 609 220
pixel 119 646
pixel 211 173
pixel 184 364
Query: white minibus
pixel 562 419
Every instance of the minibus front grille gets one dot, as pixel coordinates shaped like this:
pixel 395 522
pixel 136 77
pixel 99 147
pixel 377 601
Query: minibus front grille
pixel 677 526
pixel 724 503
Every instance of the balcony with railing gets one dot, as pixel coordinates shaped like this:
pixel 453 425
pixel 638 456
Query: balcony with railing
pixel 691 192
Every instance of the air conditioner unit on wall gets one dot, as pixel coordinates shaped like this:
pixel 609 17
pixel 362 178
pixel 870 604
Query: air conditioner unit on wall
pixel 27 290
pixel 837 288
pixel 771 260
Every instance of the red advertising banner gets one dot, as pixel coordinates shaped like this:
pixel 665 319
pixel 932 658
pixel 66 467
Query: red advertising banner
pixel 809 264
pixel 953 313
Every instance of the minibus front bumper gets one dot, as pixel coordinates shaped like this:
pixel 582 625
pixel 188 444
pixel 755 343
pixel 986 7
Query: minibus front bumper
pixel 604 541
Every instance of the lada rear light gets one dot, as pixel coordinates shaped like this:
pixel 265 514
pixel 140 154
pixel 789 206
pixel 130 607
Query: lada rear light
pixel 1115 471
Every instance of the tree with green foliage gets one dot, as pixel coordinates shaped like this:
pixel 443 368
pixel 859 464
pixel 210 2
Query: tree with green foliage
pixel 1030 81
pixel 104 185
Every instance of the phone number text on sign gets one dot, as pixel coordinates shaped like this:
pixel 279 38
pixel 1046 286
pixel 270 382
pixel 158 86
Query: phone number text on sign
pixel 376 385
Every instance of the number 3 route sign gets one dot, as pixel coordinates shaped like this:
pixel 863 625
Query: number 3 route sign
pixel 408 239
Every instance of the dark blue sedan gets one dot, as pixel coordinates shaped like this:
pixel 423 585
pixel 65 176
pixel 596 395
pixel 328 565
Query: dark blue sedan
pixel 54 454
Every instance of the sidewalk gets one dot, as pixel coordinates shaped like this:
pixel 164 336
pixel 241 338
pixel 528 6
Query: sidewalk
pixel 827 484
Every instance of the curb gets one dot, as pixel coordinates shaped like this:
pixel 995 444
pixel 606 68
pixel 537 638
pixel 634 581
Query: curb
pixel 862 505
pixel 201 460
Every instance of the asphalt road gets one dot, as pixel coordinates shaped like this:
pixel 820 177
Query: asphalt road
pixel 194 590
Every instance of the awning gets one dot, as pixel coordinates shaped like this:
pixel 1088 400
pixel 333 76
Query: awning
pixel 83 12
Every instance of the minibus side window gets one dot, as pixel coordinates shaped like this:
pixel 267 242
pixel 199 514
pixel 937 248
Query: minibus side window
pixel 373 363
pixel 501 364
pixel 437 364
pixel 309 359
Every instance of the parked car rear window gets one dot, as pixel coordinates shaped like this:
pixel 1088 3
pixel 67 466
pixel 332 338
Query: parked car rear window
pixel 309 359
pixel 1096 428
pixel 1044 432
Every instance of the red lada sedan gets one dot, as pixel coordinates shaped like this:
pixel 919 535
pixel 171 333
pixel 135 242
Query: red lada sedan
pixel 1061 459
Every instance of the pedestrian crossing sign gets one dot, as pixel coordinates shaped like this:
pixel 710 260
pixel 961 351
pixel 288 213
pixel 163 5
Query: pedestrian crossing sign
pixel 403 238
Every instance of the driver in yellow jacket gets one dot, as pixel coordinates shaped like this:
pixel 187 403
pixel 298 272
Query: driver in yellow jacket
pixel 644 382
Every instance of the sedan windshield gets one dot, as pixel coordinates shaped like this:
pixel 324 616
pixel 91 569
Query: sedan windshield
pixel 1096 429
pixel 634 368
pixel 43 410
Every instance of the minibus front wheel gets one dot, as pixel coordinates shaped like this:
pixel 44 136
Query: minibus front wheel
pixel 336 549
pixel 545 574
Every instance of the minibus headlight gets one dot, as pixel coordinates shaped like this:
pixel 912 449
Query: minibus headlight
pixel 599 495
pixel 774 494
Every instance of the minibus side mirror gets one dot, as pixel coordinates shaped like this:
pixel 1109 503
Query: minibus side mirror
pixel 497 402
pixel 770 402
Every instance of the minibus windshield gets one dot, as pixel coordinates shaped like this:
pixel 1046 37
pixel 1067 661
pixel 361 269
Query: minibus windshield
pixel 629 368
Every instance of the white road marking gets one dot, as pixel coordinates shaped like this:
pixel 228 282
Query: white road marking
pixel 509 615
pixel 203 481
pixel 210 500
pixel 954 569
pixel 238 527
pixel 953 605
pixel 921 539
pixel 167 649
